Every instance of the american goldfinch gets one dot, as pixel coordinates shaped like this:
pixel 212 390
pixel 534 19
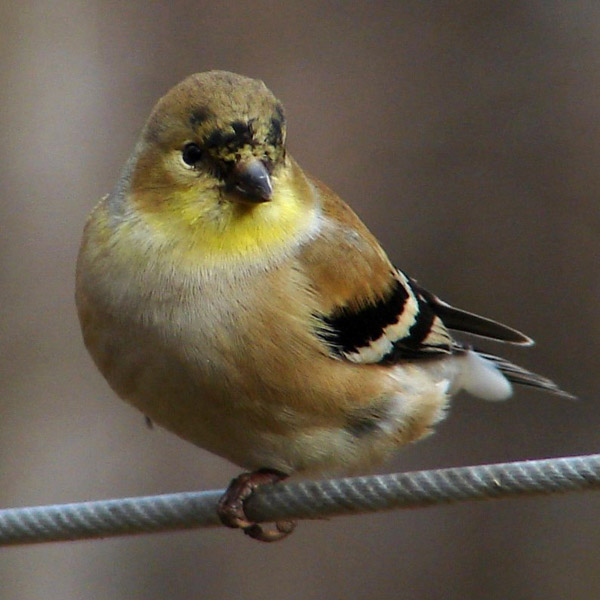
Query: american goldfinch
pixel 238 302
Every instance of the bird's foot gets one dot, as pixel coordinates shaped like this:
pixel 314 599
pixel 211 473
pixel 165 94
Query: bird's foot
pixel 231 506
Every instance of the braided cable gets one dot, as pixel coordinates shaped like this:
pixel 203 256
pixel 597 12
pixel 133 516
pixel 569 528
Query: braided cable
pixel 300 500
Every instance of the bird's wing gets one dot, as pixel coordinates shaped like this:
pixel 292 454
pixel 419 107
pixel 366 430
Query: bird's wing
pixel 374 313
pixel 407 323
pixel 468 322
pixel 399 325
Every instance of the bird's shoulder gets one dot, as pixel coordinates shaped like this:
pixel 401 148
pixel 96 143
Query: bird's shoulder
pixel 344 261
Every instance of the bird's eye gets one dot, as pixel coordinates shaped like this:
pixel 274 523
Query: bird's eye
pixel 191 154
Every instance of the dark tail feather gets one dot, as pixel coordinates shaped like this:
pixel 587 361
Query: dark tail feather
pixel 522 376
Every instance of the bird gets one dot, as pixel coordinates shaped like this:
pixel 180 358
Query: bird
pixel 238 302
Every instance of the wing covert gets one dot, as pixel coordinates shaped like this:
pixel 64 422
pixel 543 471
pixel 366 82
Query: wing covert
pixel 400 326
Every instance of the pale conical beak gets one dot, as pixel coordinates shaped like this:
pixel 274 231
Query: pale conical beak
pixel 251 179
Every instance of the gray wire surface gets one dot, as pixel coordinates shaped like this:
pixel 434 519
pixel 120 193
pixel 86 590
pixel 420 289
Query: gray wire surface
pixel 303 500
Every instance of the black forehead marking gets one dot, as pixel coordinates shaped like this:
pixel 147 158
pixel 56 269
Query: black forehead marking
pixel 241 135
pixel 199 116
pixel 218 139
pixel 240 128
pixel 243 131
pixel 275 136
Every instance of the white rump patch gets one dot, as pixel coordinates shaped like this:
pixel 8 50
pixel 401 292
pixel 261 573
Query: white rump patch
pixel 481 378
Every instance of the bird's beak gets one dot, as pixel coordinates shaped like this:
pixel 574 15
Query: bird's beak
pixel 252 180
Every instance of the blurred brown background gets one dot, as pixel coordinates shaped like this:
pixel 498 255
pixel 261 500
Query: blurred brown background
pixel 467 136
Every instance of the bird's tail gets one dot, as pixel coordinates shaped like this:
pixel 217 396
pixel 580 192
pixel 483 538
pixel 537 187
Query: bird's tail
pixel 520 376
pixel 489 377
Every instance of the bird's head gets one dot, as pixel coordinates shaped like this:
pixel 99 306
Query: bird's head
pixel 212 158
pixel 216 130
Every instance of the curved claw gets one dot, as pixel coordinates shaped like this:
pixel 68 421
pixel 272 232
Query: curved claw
pixel 231 506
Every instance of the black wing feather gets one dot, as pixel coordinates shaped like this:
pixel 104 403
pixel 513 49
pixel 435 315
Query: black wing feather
pixel 407 323
pixel 399 326
pixel 467 322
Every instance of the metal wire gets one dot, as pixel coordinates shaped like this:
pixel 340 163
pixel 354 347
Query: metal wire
pixel 303 500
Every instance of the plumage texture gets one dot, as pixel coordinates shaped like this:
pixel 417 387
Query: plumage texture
pixel 241 304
